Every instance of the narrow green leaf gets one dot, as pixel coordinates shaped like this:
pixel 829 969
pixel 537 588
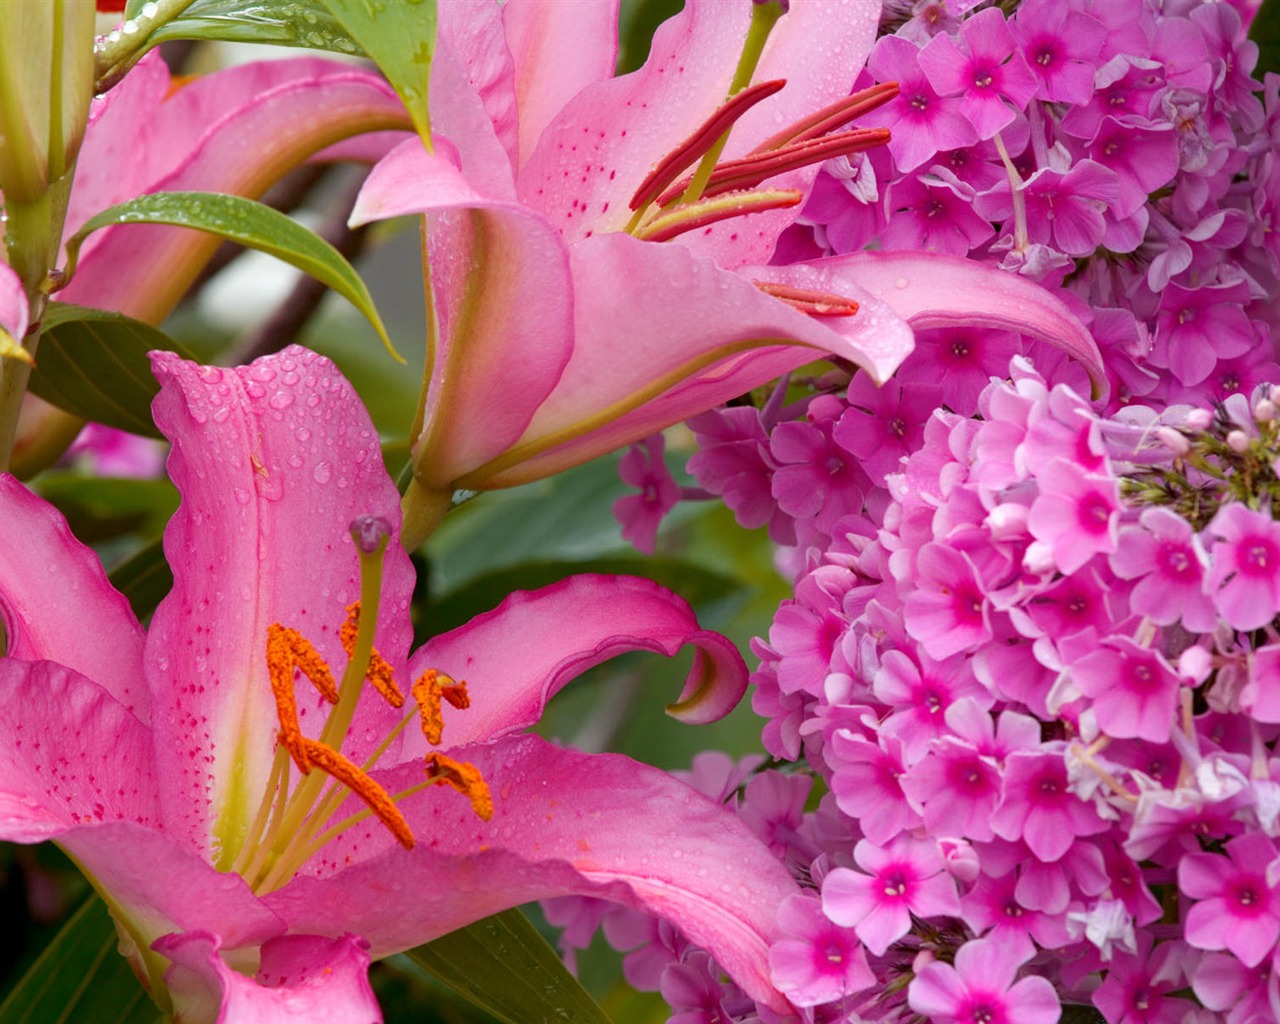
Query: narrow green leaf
pixel 306 23
pixel 94 364
pixel 144 579
pixel 80 977
pixel 250 224
pixel 400 37
pixel 102 508
pixel 503 965
pixel 1265 31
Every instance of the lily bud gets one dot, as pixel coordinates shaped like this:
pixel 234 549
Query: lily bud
pixel 46 82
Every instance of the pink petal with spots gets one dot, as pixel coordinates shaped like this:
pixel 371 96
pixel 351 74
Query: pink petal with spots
pixel 273 461
pixel 564 823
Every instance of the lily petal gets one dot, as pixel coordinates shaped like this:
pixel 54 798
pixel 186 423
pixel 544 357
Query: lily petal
pixel 502 286
pixel 274 461
pixel 142 270
pixel 559 49
pixel 303 979
pixel 56 601
pixel 564 823
pixel 696 335
pixel 934 290
pixel 14 309
pixel 513 664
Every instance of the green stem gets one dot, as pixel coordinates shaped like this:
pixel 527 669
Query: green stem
pixel 116 56
pixel 763 17
pixel 423 511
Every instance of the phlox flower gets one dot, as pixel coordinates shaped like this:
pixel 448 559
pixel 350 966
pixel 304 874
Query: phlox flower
pixel 1134 690
pixel 867 783
pixel 903 878
pixel 644 467
pixel 988 73
pixel 921 694
pixel 1077 514
pixel 1138 984
pixel 881 425
pixel 948 612
pixel 815 476
pixel 980 989
pixel 1169 562
pixel 1039 806
pixel 994 910
pixel 934 213
pixel 164 760
pixel 1244 573
pixel 1238 906
pixel 817 961
pixel 1061 45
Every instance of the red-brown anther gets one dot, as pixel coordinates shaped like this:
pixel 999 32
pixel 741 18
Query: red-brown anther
pixel 693 148
pixel 831 117
pixel 749 171
pixel 379 673
pixel 704 212
pixel 375 797
pixel 813 302
pixel 455 692
pixel 465 778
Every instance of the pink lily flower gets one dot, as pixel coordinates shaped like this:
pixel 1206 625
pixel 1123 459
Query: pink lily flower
pixel 187 767
pixel 572 318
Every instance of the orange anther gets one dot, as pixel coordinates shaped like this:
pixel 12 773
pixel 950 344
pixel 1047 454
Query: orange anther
pixel 463 777
pixel 288 649
pixel 375 797
pixel 379 673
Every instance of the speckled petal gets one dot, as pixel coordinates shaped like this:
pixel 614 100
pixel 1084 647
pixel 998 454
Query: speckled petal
pixel 274 461
pixel 564 823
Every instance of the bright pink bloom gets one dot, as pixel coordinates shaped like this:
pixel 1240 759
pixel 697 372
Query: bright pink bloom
pixel 1238 906
pixel 1136 989
pixel 948 611
pixel 1244 577
pixel 980 989
pixel 818 961
pixel 644 467
pixel 1134 690
pixel 1061 46
pixel 1077 514
pixel 145 755
pixel 1168 561
pixel 1039 806
pixel 905 877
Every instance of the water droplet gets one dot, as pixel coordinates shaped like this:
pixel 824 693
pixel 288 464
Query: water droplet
pixel 242 496
pixel 220 415
pixel 901 282
pixel 281 400
pixel 322 472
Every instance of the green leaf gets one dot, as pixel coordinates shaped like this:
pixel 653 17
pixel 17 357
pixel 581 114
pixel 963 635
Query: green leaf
pixel 80 977
pixel 306 23
pixel 250 224
pixel 144 578
pixel 1265 31
pixel 101 508
pixel 94 364
pixel 400 37
pixel 505 966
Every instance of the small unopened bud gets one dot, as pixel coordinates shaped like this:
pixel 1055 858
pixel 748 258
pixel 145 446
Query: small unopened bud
pixel 1008 521
pixel 1238 441
pixel 1199 419
pixel 1194 665
pixel 370 533
pixel 1174 440
pixel 1264 411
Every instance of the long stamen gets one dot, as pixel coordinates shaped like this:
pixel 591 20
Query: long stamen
pixel 379 673
pixel 814 303
pixel 750 171
pixel 831 117
pixel 428 690
pixel 288 649
pixel 683 156
pixel 763 17
pixel 687 217
pixel 465 778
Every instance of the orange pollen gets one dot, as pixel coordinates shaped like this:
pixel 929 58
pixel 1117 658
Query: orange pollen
pixel 807 301
pixel 287 649
pixel 375 797
pixel 463 777
pixel 428 690
pixel 379 673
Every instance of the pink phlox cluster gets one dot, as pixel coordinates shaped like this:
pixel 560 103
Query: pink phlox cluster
pixel 1119 149
pixel 644 467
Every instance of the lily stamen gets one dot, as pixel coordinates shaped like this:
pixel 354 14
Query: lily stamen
pixel 814 303
pixel 463 777
pixel 703 212
pixel 831 117
pixel 428 690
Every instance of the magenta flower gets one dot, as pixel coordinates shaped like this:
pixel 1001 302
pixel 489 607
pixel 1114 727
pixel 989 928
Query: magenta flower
pixel 1169 562
pixel 980 989
pixel 594 321
pixel 1134 690
pixel 989 77
pixel 1039 806
pixel 905 877
pixel 1238 907
pixel 155 759
pixel 1061 46
pixel 644 467
pixel 1077 513
pixel 948 612
pixel 1244 575
pixel 818 961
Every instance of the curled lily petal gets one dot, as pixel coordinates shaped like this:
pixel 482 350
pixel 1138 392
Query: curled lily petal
pixel 510 657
